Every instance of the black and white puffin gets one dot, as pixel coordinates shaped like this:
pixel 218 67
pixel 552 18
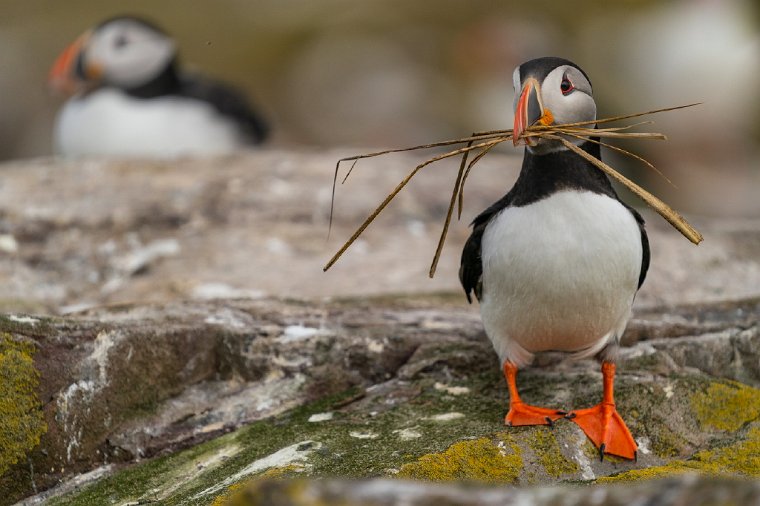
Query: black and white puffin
pixel 556 262
pixel 130 98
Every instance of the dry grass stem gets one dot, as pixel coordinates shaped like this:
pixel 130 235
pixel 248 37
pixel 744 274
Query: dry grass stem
pixel 658 205
pixel 486 141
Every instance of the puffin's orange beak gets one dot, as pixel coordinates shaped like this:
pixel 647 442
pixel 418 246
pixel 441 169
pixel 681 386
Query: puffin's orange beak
pixel 529 111
pixel 66 75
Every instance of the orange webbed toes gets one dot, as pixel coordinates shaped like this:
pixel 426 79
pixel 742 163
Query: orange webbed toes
pixel 606 429
pixel 525 414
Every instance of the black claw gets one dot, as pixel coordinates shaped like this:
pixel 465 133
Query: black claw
pixel 561 413
pixel 601 452
pixel 636 456
pixel 570 416
pixel 549 422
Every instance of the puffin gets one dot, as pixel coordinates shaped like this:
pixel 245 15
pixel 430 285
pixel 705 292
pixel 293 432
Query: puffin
pixel 556 262
pixel 130 98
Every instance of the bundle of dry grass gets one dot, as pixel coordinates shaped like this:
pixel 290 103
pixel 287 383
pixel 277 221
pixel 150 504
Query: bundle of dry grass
pixel 483 142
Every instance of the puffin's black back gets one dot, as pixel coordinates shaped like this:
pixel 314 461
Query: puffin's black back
pixel 540 177
pixel 229 102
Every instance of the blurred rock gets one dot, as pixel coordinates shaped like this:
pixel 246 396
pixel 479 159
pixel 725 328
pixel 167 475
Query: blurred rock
pixel 685 490
pixel 94 232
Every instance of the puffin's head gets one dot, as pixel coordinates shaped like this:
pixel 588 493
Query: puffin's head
pixel 124 52
pixel 550 91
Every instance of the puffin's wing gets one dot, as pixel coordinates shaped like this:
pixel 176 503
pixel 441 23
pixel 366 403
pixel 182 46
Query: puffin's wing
pixel 229 102
pixel 471 266
pixel 644 245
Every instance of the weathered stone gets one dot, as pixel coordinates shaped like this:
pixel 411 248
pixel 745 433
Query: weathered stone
pixel 686 490
pixel 209 382
pixel 416 392
pixel 93 232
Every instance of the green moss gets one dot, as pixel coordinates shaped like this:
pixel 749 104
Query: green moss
pixel 22 422
pixel 666 443
pixel 726 406
pixel 544 444
pixel 481 460
pixel 41 326
pixel 741 458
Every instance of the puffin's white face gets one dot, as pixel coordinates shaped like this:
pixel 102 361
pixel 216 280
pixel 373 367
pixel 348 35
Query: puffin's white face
pixel 563 96
pixel 127 53
pixel 124 52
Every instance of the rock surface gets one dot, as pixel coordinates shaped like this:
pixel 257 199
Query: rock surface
pixel 77 234
pixel 687 490
pixel 243 361
pixel 405 387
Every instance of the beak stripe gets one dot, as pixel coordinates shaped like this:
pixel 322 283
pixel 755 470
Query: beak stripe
pixel 529 109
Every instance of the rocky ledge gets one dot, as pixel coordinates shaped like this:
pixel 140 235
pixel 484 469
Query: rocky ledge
pixel 187 402
pixel 245 373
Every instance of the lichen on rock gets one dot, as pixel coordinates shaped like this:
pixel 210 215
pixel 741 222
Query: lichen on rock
pixel 739 459
pixel 726 406
pixel 483 460
pixel 21 419
pixel 546 448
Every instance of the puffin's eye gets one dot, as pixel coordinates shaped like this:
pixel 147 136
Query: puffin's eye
pixel 566 86
pixel 120 41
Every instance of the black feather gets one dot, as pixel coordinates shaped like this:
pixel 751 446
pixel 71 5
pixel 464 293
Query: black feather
pixel 229 102
pixel 226 100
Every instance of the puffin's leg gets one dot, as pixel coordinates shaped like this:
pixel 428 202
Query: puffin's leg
pixel 602 423
pixel 521 413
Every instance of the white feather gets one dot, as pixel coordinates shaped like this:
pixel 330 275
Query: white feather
pixel 559 274
pixel 108 122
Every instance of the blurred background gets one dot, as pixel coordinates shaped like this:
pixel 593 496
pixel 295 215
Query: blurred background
pixel 394 73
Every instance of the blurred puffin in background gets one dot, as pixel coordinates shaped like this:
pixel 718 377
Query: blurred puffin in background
pixel 130 99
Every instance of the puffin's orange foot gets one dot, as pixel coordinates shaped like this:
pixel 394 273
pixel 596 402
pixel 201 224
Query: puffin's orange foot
pixel 606 429
pixel 525 414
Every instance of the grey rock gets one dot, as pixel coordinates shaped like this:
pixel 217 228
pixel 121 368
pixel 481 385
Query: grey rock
pixel 689 490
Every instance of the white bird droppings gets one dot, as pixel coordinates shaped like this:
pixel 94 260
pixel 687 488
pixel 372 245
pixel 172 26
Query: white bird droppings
pixel 297 333
pixel 445 417
pixel 8 244
pixel 23 319
pixel 363 435
pixel 321 417
pixel 643 443
pixel 451 390
pixel 407 434
pixel 587 473
pixel 290 454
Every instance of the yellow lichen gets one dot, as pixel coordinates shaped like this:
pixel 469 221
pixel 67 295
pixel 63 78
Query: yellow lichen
pixel 226 497
pixel 544 444
pixel 481 460
pixel 21 420
pixel 726 406
pixel 272 473
pixel 742 458
pixel 257 492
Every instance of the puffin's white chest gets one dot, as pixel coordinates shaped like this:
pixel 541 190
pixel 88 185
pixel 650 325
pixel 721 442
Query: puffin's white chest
pixel 111 123
pixel 559 274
